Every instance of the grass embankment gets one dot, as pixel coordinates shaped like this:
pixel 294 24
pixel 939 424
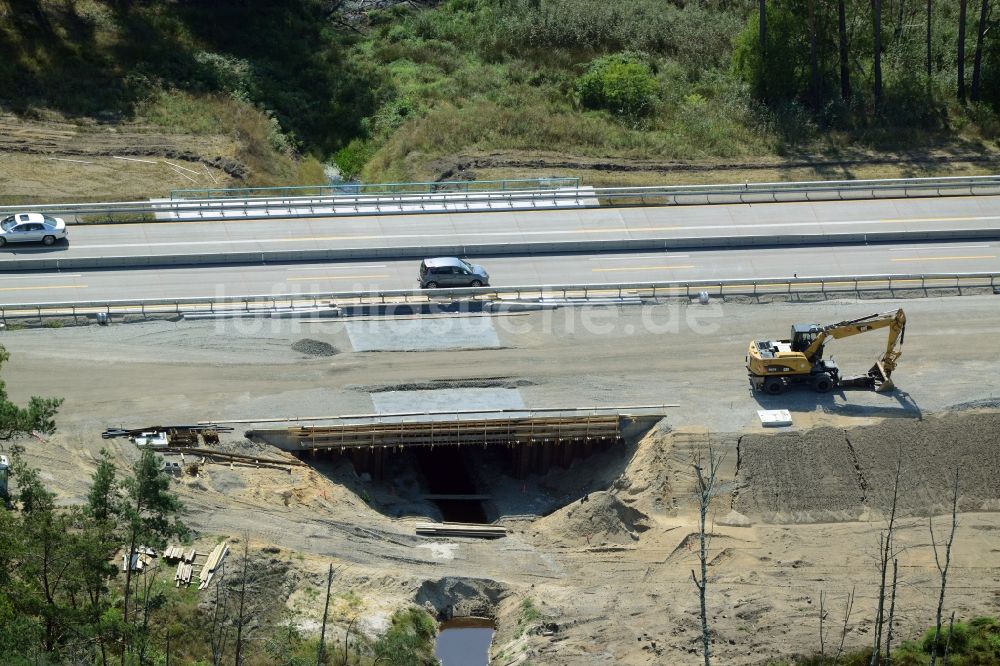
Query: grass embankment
pixel 640 92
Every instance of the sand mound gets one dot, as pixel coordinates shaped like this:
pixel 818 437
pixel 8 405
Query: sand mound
pixel 598 518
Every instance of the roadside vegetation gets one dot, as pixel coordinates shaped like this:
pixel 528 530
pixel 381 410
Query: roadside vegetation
pixel 972 643
pixel 398 92
pixel 64 598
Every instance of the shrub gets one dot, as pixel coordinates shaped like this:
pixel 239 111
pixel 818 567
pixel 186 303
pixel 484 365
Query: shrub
pixel 957 644
pixel 410 639
pixel 351 159
pixel 620 83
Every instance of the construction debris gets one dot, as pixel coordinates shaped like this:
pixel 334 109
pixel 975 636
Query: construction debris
pixel 461 530
pixel 141 558
pixel 774 418
pixel 164 436
pixel 215 559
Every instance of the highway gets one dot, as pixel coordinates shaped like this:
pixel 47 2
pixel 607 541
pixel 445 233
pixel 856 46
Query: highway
pixel 165 239
pixel 593 268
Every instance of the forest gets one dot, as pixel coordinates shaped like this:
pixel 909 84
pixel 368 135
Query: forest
pixel 384 91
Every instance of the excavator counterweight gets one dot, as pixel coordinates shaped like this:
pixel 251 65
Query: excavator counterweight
pixel 774 365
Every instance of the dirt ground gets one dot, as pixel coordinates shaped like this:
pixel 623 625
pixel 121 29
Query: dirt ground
pixel 603 550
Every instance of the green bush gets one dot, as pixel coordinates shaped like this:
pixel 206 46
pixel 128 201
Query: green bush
pixel 620 83
pixel 958 643
pixel 351 159
pixel 410 639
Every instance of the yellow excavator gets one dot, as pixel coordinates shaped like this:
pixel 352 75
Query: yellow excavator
pixel 775 365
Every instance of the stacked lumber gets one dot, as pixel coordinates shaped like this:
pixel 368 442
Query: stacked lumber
pixel 461 530
pixel 173 553
pixel 215 559
pixel 183 574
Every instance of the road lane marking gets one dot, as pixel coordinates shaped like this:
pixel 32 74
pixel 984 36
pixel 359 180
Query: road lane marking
pixel 52 276
pixel 639 268
pixel 940 247
pixel 336 277
pixel 976 256
pixel 336 268
pixel 67 286
pixel 662 255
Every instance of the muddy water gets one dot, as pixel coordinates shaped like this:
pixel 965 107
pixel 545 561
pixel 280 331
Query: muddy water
pixel 464 642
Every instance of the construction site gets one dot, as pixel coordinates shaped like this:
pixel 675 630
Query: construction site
pixel 549 466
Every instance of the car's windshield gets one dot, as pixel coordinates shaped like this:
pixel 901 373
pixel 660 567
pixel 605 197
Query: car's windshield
pixel 7 225
pixel 50 221
pixel 467 265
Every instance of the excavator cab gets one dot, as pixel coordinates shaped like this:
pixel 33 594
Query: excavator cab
pixel 804 335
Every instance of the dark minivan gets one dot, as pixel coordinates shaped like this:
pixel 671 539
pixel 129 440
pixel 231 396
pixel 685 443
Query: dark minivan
pixel 451 272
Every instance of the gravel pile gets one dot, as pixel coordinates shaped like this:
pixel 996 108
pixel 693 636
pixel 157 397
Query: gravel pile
pixel 832 474
pixel 798 477
pixel 314 347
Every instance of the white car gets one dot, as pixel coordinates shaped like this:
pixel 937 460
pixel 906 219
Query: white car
pixel 31 227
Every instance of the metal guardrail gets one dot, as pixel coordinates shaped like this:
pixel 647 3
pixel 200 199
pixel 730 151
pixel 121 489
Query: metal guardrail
pixel 265 303
pixel 301 207
pixel 378 188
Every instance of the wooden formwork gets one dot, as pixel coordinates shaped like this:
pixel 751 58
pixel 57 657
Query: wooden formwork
pixel 484 432
pixel 536 443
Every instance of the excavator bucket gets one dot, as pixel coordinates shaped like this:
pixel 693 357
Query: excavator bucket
pixel 883 382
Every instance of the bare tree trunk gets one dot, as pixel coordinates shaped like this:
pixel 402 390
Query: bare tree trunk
pixel 929 2
pixel 326 609
pixel 877 56
pixel 243 594
pixel 706 488
pixel 822 636
pixel 962 6
pixel 220 614
pixel 943 570
pixel 762 25
pixel 845 71
pixel 978 60
pixel 885 554
pixel 892 612
pixel 947 645
pixel 814 92
pixel 347 639
pixel 848 608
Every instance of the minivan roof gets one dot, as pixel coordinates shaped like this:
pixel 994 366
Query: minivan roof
pixel 443 261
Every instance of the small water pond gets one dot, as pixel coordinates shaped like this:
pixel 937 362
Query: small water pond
pixel 464 642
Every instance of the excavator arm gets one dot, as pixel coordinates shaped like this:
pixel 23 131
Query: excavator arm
pixel 881 372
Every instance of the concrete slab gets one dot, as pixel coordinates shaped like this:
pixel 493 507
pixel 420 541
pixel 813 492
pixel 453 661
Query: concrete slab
pixel 774 418
pixel 388 402
pixel 423 334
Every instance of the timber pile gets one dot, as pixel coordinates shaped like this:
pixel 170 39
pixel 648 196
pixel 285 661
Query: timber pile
pixel 504 431
pixel 222 456
pixel 185 563
pixel 461 530
pixel 215 558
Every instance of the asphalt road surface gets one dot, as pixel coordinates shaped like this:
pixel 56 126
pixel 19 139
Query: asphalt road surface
pixel 169 238
pixel 615 268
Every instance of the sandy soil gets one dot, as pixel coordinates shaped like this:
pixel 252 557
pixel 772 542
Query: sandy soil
pixel 603 549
